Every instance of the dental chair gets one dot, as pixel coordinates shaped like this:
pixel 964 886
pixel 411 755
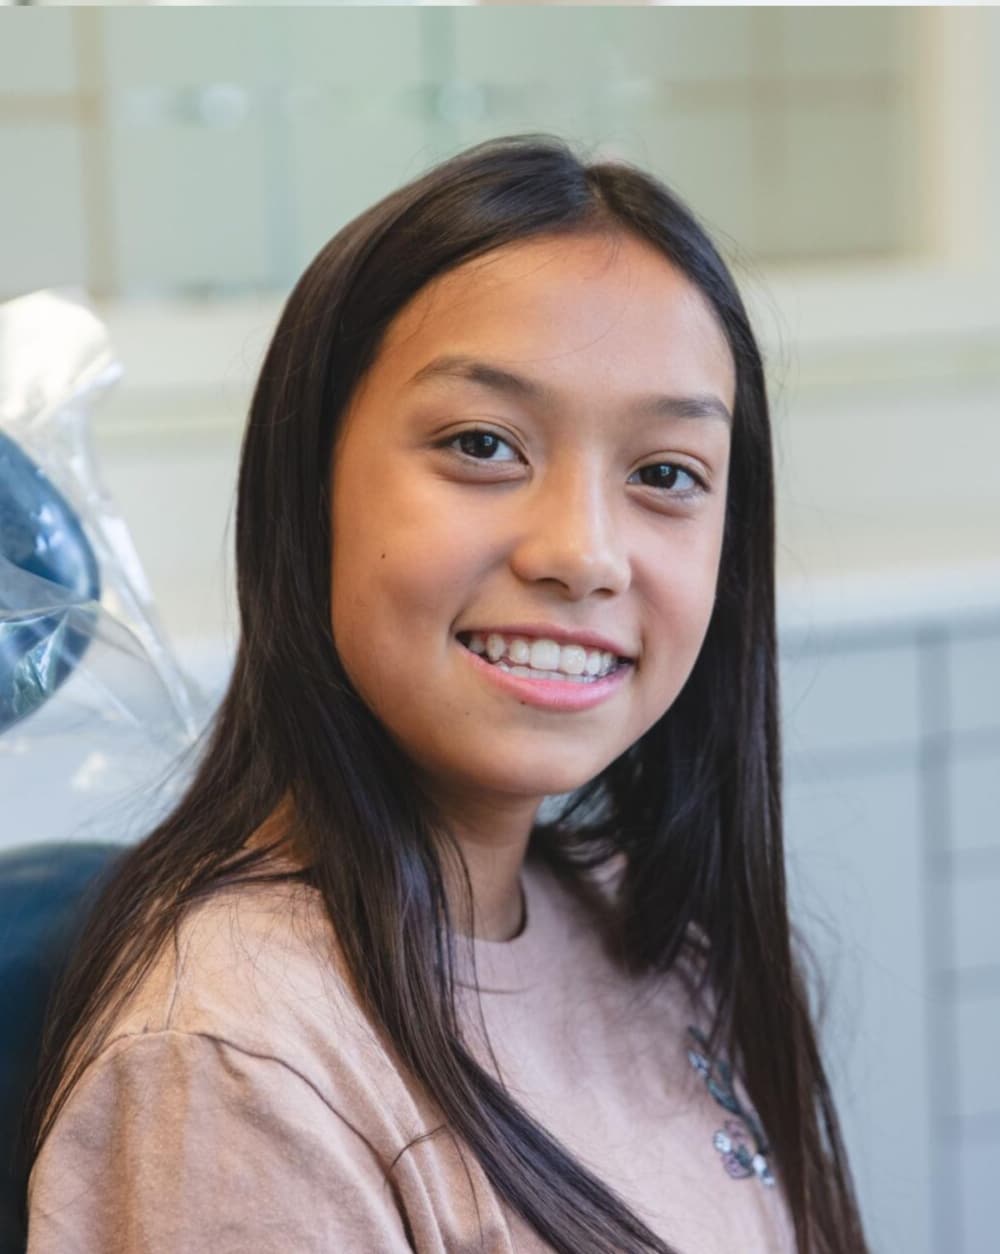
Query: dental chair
pixel 44 892
pixel 46 565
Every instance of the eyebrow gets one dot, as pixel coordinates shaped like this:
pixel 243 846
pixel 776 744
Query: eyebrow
pixel 498 379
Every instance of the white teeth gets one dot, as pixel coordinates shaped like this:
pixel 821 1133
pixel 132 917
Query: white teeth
pixel 520 651
pixel 572 659
pixel 529 672
pixel 543 657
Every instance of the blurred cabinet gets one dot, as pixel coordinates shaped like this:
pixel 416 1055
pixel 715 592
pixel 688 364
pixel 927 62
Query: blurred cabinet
pixel 856 871
pixel 892 758
pixel 966 952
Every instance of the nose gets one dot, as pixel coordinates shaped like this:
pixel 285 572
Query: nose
pixel 572 533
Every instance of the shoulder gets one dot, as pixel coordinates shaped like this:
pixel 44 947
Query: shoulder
pixel 183 1141
pixel 254 973
pixel 243 950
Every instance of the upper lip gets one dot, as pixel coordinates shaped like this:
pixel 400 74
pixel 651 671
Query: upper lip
pixel 549 631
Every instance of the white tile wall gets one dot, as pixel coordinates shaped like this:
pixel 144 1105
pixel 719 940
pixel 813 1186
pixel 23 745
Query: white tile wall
pixel 975 685
pixel 976 904
pixel 685 150
pixel 342 145
pixel 383 146
pixel 691 46
pixel 189 204
pixel 163 46
pixel 856 871
pixel 850 700
pixel 356 47
pixel 910 942
pixel 978 1034
pixel 834 176
pixel 42 229
pixel 181 199
pixel 37 52
pixel 162 490
pixel 974 1231
pixel 861 464
pixel 975 801
pixel 813 43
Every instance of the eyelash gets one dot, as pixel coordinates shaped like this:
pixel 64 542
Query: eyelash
pixel 700 488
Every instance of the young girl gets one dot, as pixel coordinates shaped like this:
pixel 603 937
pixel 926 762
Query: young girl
pixel 504 535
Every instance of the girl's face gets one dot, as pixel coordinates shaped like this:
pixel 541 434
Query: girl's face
pixel 538 453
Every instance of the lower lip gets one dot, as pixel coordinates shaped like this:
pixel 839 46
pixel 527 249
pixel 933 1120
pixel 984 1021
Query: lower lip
pixel 551 694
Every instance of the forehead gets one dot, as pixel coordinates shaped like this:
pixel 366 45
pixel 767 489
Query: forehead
pixel 584 310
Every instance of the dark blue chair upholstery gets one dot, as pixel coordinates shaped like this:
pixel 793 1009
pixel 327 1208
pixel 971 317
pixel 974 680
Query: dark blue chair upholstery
pixel 42 906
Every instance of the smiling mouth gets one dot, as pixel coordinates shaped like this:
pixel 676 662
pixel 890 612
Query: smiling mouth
pixel 521 667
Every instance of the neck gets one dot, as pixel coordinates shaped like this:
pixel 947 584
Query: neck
pixel 497 896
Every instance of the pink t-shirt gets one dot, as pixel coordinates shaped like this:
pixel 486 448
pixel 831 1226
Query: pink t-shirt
pixel 244 1103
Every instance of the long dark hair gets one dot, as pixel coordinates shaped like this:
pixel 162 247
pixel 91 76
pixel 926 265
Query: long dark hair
pixel 691 812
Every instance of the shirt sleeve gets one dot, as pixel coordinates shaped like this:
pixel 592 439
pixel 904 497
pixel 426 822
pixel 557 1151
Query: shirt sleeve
pixel 178 1142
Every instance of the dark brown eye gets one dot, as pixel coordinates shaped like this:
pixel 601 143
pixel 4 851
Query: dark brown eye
pixel 665 474
pixel 481 445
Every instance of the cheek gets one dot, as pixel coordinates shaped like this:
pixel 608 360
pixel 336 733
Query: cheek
pixel 682 586
pixel 398 570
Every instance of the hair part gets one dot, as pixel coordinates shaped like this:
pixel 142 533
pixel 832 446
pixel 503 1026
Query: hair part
pixel 691 812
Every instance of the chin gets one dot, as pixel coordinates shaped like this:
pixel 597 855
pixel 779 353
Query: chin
pixel 536 779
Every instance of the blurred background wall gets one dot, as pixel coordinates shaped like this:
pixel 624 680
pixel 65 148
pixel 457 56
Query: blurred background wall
pixel 182 168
